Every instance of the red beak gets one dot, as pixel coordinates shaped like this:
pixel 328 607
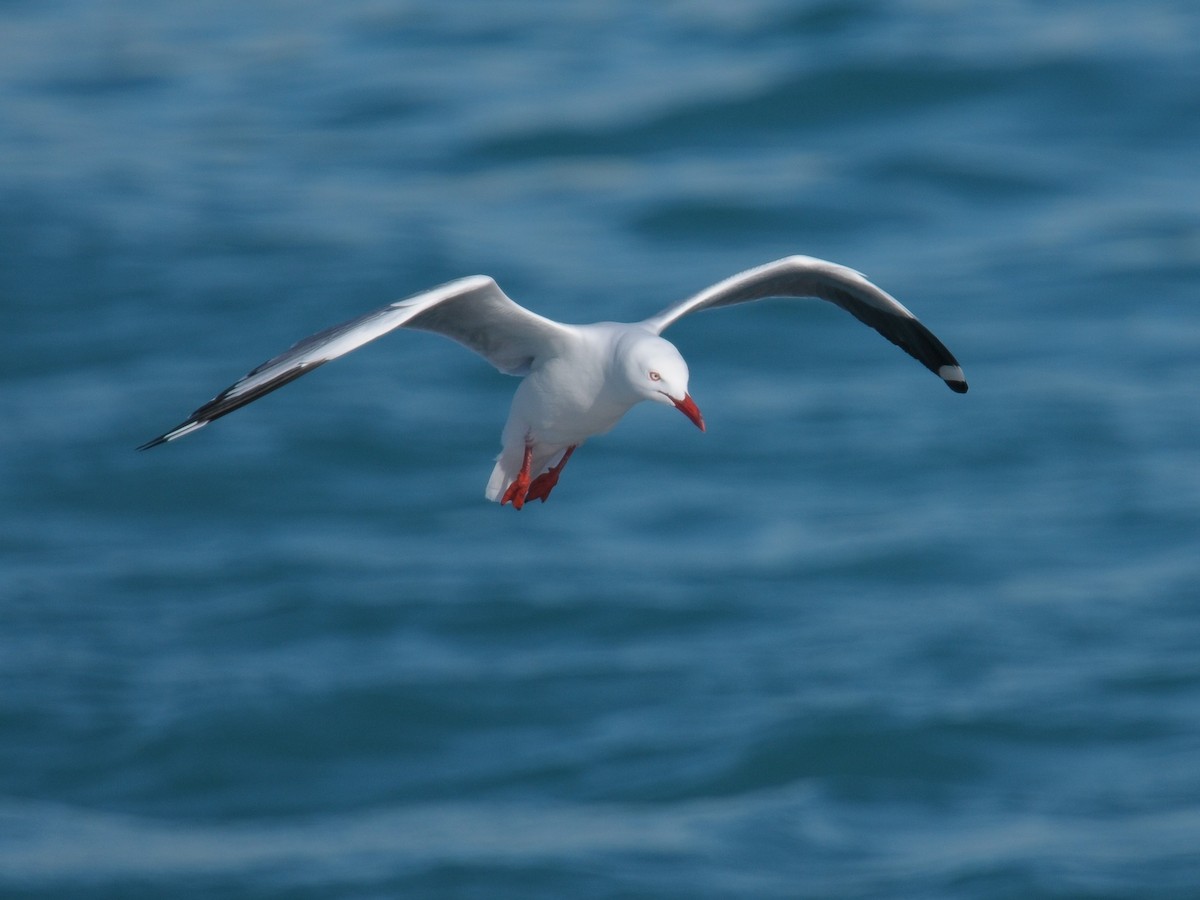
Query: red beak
pixel 688 407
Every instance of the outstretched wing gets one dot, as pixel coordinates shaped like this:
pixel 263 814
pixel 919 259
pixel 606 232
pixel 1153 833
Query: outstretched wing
pixel 804 276
pixel 472 311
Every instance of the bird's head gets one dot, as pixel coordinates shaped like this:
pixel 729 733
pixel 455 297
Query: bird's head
pixel 655 370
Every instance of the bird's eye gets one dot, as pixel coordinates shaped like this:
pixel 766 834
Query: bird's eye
pixel 654 376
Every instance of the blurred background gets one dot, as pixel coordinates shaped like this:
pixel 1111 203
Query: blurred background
pixel 863 638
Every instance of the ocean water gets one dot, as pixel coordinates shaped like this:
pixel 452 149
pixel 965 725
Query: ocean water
pixel 863 638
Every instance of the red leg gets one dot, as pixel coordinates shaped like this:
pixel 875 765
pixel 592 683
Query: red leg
pixel 518 490
pixel 542 485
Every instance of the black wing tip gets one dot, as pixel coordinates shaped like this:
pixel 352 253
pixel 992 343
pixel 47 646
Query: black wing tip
pixel 177 432
pixel 952 374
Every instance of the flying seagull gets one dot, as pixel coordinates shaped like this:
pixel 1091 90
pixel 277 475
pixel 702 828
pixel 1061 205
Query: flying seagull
pixel 577 380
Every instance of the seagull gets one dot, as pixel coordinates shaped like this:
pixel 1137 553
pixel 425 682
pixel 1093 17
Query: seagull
pixel 577 380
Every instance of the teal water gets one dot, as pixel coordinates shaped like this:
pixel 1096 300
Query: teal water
pixel 863 638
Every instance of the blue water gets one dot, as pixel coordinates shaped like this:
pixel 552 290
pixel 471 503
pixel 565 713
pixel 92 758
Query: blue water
pixel 864 638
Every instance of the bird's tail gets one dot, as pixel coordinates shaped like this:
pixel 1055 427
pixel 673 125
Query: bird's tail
pixel 502 476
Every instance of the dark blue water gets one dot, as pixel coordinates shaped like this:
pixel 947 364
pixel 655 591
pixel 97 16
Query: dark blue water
pixel 864 638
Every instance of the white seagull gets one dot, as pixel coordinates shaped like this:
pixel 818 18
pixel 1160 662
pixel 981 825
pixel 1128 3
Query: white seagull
pixel 578 380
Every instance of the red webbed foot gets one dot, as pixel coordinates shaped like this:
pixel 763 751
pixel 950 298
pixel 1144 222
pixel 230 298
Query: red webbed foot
pixel 540 487
pixel 518 491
